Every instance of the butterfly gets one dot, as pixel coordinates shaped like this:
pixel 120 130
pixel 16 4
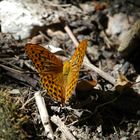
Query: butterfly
pixel 58 78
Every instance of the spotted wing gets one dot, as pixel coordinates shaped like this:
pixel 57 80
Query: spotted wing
pixel 75 64
pixel 49 68
pixel 43 59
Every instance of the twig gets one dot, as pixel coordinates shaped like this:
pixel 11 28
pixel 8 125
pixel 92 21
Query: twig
pixel 10 64
pixel 44 115
pixel 11 69
pixel 47 38
pixel 87 62
pixel 27 102
pixel 69 32
pixel 54 4
pixel 62 127
pixel 103 74
pixel 107 41
pixel 20 75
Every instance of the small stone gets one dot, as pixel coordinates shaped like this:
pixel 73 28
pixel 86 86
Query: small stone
pixel 124 138
pixel 130 40
pixel 14 91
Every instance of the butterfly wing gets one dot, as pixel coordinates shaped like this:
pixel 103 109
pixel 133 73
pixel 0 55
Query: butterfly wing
pixel 54 84
pixel 49 68
pixel 75 64
pixel 43 59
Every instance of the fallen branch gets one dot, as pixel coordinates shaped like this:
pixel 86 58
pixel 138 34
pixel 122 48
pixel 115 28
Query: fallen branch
pixel 44 115
pixel 62 127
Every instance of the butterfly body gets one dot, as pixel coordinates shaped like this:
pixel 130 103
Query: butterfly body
pixel 58 78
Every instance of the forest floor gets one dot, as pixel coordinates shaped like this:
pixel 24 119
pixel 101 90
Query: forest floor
pixel 106 101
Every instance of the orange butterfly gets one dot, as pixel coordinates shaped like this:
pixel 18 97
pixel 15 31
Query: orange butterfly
pixel 58 78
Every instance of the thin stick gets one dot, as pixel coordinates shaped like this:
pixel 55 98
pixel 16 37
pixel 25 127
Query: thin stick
pixel 11 69
pixel 10 63
pixel 44 115
pixel 87 63
pixel 69 32
pixel 62 127
pixel 103 74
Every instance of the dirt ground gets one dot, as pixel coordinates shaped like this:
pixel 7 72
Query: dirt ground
pixel 106 100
